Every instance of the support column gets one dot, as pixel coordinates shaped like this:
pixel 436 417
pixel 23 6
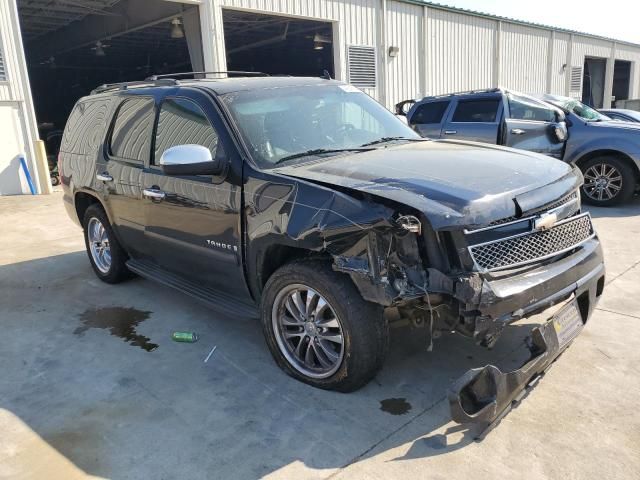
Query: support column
pixel 568 67
pixel 608 78
pixel 213 47
pixel 424 48
pixel 382 52
pixel 497 57
pixel 21 91
pixel 550 49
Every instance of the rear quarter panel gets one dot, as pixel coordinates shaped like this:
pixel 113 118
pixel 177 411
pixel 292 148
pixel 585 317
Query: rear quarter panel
pixel 82 148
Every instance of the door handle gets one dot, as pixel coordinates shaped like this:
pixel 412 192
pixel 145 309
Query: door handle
pixel 518 131
pixel 153 193
pixel 450 132
pixel 104 177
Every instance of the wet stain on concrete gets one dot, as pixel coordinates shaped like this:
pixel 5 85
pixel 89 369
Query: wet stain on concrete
pixel 395 406
pixel 437 442
pixel 120 321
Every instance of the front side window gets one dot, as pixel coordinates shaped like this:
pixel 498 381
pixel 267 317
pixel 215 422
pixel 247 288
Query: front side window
pixel 131 135
pixel 484 111
pixel 524 108
pixel 429 113
pixel 182 122
pixel 278 124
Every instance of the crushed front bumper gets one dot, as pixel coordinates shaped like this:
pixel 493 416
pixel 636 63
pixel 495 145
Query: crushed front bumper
pixel 485 395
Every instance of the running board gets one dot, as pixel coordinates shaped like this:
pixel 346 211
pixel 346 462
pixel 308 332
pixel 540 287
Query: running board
pixel 212 298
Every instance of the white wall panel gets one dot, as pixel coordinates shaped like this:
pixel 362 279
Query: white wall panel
pixel 403 30
pixel 7 47
pixel 460 52
pixel 558 71
pixel 524 57
pixel 589 47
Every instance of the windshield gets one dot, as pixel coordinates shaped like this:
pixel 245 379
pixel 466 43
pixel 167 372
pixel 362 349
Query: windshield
pixel 291 124
pixel 583 111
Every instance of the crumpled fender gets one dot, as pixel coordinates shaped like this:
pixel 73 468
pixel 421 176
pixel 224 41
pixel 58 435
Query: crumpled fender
pixel 326 220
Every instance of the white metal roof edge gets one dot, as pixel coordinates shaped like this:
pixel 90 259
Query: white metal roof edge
pixel 491 16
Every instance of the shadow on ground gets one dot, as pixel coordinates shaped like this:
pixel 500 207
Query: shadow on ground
pixel 626 210
pixel 117 410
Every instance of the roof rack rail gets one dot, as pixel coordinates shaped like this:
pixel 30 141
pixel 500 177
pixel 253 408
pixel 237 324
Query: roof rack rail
pixel 138 83
pixel 468 92
pixel 193 74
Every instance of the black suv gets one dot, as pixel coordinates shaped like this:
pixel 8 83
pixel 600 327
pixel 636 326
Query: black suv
pixel 305 200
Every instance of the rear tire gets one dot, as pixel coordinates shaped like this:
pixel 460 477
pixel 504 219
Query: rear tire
pixel 106 255
pixel 338 346
pixel 608 181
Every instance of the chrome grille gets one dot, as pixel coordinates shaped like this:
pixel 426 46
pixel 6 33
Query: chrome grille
pixel 532 246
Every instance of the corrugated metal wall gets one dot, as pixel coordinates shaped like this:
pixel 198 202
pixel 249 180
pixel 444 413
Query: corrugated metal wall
pixel 404 30
pixel 8 46
pixel 460 52
pixel 524 57
pixel 447 51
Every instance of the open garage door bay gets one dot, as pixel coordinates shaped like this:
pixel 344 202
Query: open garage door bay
pixel 72 47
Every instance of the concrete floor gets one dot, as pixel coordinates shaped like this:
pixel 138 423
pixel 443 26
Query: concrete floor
pixel 76 400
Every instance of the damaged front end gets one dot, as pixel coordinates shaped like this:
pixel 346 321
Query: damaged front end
pixel 477 281
pixel 472 263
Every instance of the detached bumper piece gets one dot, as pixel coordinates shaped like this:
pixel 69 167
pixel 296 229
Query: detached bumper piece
pixel 485 395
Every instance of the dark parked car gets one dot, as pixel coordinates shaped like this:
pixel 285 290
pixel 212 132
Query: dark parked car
pixel 607 152
pixel 306 202
pixel 621 114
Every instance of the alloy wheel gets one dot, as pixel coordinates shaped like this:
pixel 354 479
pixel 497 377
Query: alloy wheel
pixel 99 245
pixel 308 331
pixel 603 182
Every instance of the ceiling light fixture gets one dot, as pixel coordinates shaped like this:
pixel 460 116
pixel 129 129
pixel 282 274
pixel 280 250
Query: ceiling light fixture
pixel 176 28
pixel 319 41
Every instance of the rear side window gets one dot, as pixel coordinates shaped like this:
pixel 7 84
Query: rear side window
pixel 132 130
pixel 86 127
pixel 522 108
pixel 429 113
pixel 182 122
pixel 485 110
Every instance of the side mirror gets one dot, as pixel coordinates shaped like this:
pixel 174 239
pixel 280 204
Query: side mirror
pixel 190 160
pixel 403 107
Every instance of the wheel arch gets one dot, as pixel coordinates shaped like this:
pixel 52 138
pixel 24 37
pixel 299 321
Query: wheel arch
pixel 609 153
pixel 83 199
pixel 277 255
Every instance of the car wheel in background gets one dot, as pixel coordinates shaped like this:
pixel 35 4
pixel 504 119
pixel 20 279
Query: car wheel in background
pixel 608 181
pixel 319 329
pixel 106 255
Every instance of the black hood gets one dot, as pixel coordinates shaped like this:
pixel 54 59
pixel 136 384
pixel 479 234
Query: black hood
pixel 453 183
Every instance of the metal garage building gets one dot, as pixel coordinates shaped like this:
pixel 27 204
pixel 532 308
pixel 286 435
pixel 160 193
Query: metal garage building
pixel 392 49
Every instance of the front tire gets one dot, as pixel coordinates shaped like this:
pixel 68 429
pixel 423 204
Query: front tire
pixel 106 255
pixel 319 329
pixel 608 181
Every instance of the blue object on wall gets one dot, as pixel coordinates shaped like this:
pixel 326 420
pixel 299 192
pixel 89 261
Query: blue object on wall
pixel 23 162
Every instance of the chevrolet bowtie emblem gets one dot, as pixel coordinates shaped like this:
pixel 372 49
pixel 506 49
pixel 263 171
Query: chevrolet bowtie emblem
pixel 546 221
